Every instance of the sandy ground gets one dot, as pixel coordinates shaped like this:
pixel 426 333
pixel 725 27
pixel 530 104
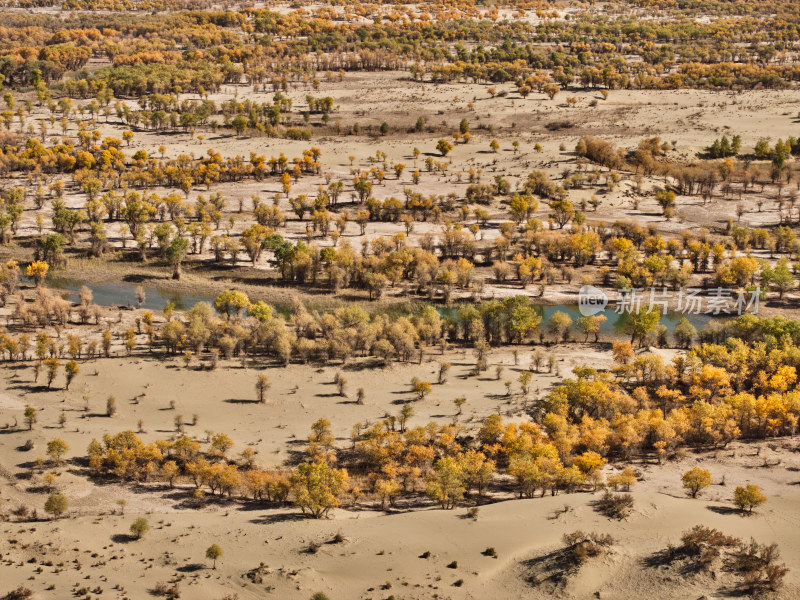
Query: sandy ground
pixel 379 556
pixel 380 552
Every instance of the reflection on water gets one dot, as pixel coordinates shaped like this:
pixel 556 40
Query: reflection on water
pixel 124 293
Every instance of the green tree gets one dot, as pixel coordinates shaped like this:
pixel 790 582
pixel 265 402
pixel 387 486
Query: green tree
pixel 778 276
pixel 139 527
pixel 56 505
pixel 176 252
pixel 30 416
pixel 56 449
pixel 405 414
pixel 642 322
pixel 447 486
pixel 563 212
pixel 239 124
pixel 684 333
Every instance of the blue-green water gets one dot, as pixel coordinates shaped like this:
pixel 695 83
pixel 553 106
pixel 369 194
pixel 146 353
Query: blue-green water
pixel 122 293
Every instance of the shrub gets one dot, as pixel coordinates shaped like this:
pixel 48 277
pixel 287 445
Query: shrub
pixel 615 506
pixel 296 133
pixel 758 565
pixel 557 125
pixel 580 546
pixel 21 593
pixel 162 588
pixel 56 504
pixel 705 544
pixel 139 527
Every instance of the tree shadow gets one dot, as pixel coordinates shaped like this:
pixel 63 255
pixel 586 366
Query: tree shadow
pixel 660 558
pixel 725 510
pixel 280 518
pixel 143 277
pixel 32 388
pixel 241 401
pixel 123 538
pixel 191 568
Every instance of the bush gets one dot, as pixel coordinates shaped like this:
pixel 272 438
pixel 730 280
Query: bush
pixel 296 133
pixel 162 588
pixel 139 527
pixel 21 593
pixel 557 125
pixel 615 506
pixel 56 504
pixel 580 546
pixel 705 544
pixel 758 565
